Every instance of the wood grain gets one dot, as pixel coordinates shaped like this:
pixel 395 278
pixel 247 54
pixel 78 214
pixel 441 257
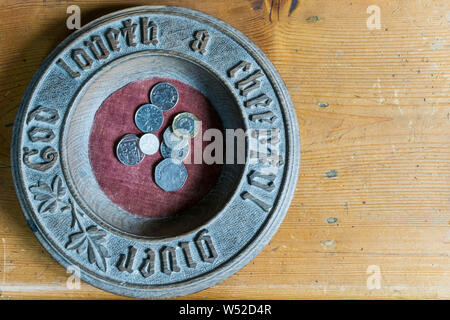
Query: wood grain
pixel 374 116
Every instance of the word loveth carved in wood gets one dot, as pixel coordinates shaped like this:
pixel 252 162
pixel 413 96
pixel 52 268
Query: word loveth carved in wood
pixel 80 225
pixel 84 60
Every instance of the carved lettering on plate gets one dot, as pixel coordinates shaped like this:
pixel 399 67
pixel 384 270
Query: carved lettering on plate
pixel 101 54
pixel 147 267
pixel 101 46
pixel 187 254
pixel 169 262
pixel 128 31
pixel 149 31
pixel 261 180
pixel 48 155
pixel 168 258
pixel 41 134
pixel 113 39
pixel 43 114
pixel 248 196
pixel 63 64
pixel 126 261
pixel 268 116
pixel 201 41
pixel 250 83
pixel 260 101
pixel 243 65
pixel 205 247
pixel 83 60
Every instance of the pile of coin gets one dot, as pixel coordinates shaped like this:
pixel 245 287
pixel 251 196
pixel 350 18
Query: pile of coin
pixel 170 173
pixel 148 118
pixel 176 144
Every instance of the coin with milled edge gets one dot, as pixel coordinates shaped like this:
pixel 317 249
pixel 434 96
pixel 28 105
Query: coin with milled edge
pixel 164 95
pixel 148 143
pixel 179 154
pixel 173 141
pixel 128 151
pixel 148 118
pixel 185 124
pixel 170 174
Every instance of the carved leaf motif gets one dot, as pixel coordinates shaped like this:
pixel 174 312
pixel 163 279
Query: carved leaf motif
pixel 41 192
pixel 58 187
pixel 96 251
pixel 95 255
pixel 82 248
pixel 95 233
pixel 88 240
pixel 49 196
pixel 50 205
pixel 76 240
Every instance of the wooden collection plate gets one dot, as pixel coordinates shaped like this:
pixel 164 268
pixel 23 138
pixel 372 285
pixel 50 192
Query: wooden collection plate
pixel 77 222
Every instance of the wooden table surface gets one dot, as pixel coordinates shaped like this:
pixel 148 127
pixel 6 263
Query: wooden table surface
pixel 373 195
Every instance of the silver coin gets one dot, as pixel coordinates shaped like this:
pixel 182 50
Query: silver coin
pixel 173 141
pixel 170 174
pixel 148 118
pixel 164 95
pixel 186 125
pixel 178 154
pixel 127 150
pixel 148 143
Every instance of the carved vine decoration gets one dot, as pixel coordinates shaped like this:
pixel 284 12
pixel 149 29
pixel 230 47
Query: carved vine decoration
pixel 87 240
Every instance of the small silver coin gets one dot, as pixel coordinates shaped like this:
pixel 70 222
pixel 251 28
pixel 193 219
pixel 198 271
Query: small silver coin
pixel 186 124
pixel 170 174
pixel 148 118
pixel 178 154
pixel 127 150
pixel 164 95
pixel 173 141
pixel 148 143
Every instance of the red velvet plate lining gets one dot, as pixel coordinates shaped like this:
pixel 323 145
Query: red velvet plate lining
pixel 133 188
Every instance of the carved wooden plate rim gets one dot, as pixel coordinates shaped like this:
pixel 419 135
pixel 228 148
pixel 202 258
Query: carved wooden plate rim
pixel 145 268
